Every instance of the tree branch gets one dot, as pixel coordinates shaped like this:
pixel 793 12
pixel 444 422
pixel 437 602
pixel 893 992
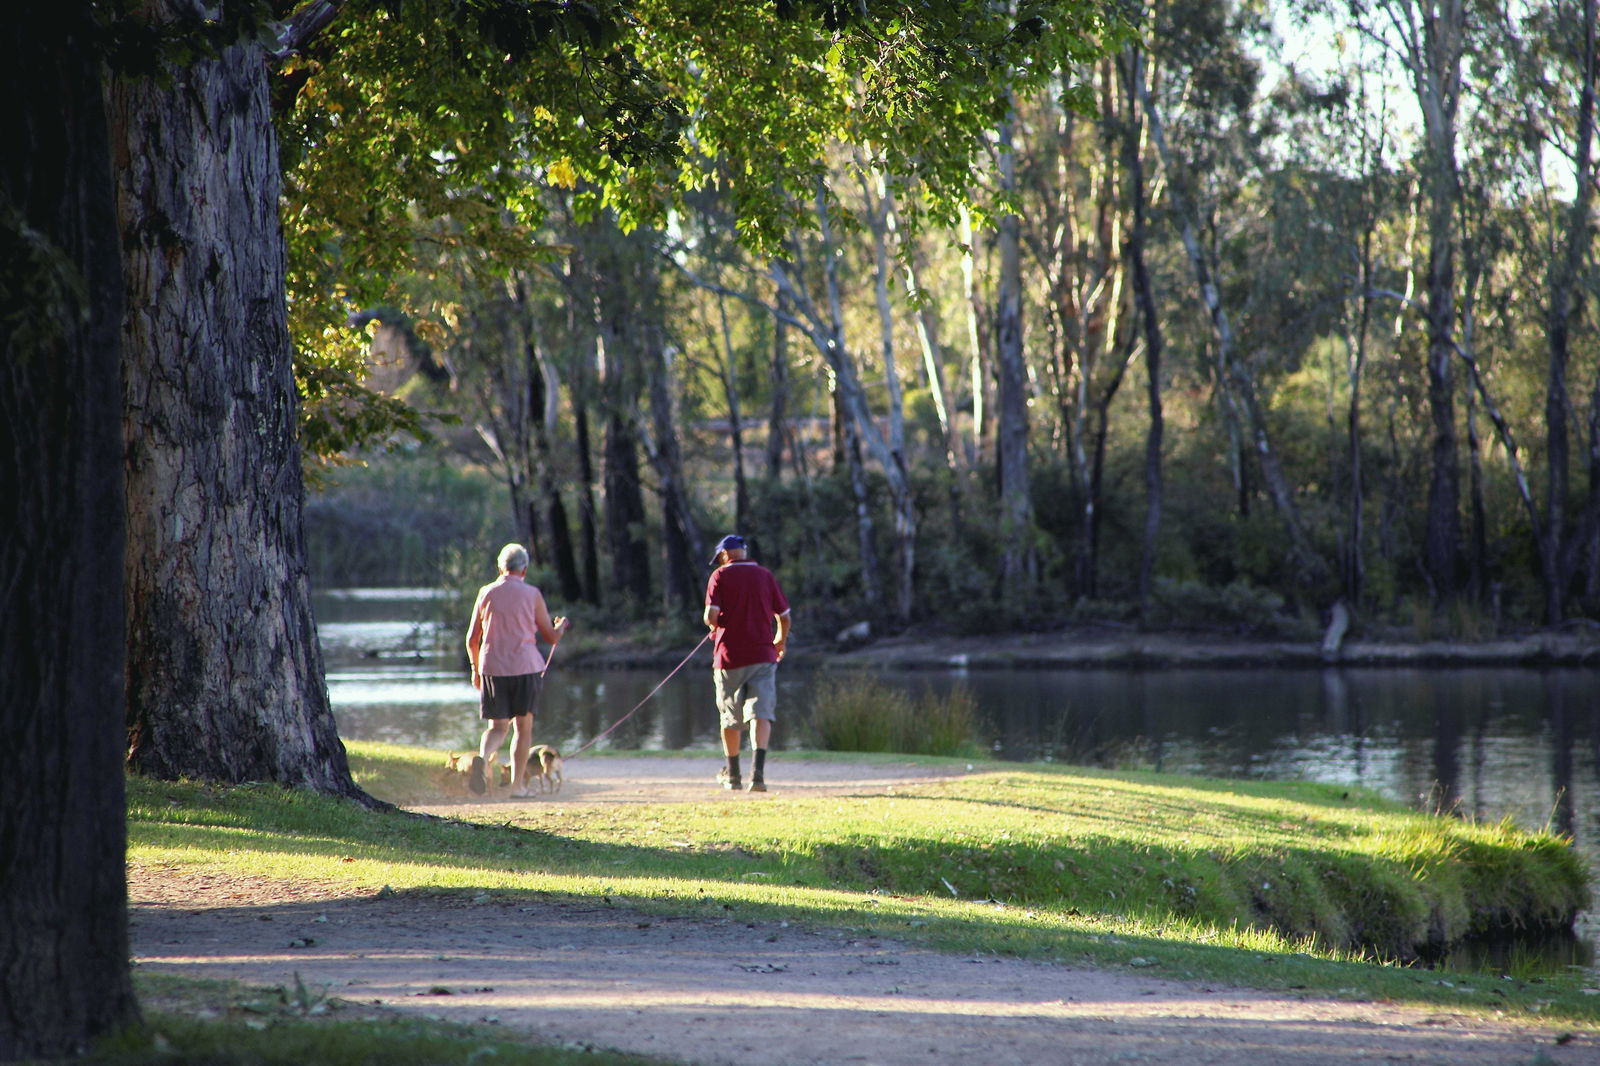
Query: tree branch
pixel 299 28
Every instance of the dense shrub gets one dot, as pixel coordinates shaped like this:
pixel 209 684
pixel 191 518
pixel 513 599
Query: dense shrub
pixel 857 713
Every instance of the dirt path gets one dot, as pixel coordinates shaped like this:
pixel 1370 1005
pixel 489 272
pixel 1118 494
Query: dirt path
pixel 720 993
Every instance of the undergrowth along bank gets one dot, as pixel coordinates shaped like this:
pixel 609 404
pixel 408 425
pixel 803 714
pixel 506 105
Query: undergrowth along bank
pixel 1199 878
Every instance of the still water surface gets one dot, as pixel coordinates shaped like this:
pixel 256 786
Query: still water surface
pixel 1487 743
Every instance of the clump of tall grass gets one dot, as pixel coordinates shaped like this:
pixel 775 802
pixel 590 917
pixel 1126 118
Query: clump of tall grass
pixel 858 713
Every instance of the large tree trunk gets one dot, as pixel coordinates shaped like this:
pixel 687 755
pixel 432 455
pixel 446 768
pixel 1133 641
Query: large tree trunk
pixel 588 513
pixel 1144 296
pixel 1559 551
pixel 977 338
pixel 64 977
pixel 1433 53
pixel 680 535
pixel 730 392
pixel 224 672
pixel 881 221
pixel 544 386
pixel 1018 563
pixel 581 324
pixel 778 409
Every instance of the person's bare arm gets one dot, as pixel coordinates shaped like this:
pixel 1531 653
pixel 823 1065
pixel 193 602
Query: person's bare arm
pixel 475 642
pixel 550 630
pixel 781 642
pixel 711 615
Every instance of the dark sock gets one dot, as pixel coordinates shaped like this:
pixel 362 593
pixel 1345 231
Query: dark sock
pixel 733 767
pixel 761 764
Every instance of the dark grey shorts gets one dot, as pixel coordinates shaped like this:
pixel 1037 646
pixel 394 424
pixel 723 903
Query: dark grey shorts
pixel 746 693
pixel 509 697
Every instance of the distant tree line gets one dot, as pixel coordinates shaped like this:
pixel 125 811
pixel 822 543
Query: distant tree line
pixel 1198 334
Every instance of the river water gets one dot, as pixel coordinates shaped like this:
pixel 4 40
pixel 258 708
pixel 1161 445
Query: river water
pixel 1485 743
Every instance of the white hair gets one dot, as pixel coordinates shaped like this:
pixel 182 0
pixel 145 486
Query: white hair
pixel 513 557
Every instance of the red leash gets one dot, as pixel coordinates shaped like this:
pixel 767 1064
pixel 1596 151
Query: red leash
pixel 641 703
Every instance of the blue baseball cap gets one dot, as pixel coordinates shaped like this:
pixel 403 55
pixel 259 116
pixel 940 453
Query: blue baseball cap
pixel 728 543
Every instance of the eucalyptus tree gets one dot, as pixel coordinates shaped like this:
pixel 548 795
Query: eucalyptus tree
pixel 1428 38
pixel 1075 227
pixel 1206 148
pixel 1543 130
pixel 64 975
pixel 391 113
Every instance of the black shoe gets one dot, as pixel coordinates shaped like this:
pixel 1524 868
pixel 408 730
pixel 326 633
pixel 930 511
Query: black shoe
pixel 476 780
pixel 757 785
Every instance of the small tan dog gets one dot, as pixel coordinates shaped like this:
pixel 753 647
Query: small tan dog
pixel 544 762
pixel 458 768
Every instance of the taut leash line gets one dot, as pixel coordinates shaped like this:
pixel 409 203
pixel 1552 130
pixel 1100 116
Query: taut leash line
pixel 601 736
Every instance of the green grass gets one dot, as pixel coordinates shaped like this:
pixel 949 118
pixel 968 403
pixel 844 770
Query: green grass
pixel 1276 886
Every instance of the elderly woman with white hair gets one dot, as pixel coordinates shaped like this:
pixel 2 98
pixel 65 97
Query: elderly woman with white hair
pixel 508 619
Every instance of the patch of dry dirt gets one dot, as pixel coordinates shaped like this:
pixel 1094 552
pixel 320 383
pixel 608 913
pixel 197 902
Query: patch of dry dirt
pixel 726 992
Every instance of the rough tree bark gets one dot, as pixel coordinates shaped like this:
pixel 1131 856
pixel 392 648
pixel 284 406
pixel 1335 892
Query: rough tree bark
pixel 64 977
pixel 225 676
pixel 1018 560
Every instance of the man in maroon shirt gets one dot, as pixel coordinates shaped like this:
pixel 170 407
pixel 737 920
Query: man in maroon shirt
pixel 743 603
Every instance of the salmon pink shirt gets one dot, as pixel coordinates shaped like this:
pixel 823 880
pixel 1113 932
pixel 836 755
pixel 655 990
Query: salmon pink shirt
pixel 505 628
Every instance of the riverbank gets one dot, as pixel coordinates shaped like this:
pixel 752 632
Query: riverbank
pixel 1106 646
pixel 887 910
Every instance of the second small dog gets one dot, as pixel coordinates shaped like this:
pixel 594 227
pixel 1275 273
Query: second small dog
pixel 544 762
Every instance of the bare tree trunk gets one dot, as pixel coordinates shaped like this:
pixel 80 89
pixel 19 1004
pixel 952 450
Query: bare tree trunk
pixel 1353 563
pixel 64 976
pixel 926 320
pixel 854 414
pixel 1018 561
pixel 1088 268
pixel 581 323
pixel 881 223
pixel 544 386
pixel 680 541
pixel 730 391
pixel 1235 375
pixel 225 675
pixel 1133 157
pixel 976 338
pixel 588 513
pixel 778 411
pixel 1558 552
pixel 1433 33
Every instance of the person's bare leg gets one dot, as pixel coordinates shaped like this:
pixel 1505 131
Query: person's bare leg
pixel 493 737
pixel 521 746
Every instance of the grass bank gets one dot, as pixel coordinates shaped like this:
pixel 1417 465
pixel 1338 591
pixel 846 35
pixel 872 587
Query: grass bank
pixel 1274 886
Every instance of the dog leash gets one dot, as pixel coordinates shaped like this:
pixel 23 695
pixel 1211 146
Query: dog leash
pixel 600 736
pixel 548 659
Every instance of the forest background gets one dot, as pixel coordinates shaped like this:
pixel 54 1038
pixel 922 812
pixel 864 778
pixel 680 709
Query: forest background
pixel 1207 338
